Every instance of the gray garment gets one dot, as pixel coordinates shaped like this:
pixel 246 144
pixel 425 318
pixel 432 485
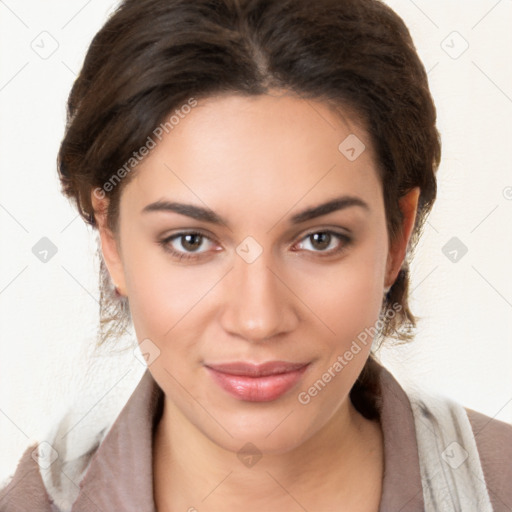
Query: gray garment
pixel 451 471
pixel 119 472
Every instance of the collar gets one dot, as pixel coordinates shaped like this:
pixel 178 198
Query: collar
pixel 120 473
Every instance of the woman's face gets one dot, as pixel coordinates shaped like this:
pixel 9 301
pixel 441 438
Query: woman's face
pixel 277 279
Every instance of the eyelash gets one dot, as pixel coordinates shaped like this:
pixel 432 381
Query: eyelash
pixel 165 243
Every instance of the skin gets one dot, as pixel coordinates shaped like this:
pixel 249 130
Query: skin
pixel 256 162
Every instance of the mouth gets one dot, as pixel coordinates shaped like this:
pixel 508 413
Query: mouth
pixel 257 382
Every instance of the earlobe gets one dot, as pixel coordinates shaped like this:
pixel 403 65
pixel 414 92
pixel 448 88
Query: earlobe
pixel 408 204
pixel 109 244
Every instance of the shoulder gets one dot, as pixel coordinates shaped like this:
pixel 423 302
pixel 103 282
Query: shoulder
pixel 494 443
pixel 25 490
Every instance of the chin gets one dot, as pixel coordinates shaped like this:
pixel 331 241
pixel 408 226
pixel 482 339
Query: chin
pixel 278 431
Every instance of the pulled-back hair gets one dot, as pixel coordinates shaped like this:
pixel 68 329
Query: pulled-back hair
pixel 152 56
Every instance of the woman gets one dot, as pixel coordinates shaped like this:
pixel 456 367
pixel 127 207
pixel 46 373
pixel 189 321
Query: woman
pixel 259 173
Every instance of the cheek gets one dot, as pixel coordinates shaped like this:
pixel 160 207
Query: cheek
pixel 156 293
pixel 347 296
pixel 165 298
pixel 349 304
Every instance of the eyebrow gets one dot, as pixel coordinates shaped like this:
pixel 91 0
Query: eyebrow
pixel 207 215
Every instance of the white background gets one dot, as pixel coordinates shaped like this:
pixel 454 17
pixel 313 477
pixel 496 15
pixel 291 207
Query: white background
pixel 49 310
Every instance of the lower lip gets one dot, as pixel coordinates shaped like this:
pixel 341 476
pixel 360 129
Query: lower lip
pixel 257 389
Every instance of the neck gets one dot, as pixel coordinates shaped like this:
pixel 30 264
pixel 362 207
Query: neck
pixel 191 471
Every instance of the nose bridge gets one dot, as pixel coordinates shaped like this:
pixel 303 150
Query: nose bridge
pixel 257 305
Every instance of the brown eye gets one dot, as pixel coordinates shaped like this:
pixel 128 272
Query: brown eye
pixel 186 245
pixel 325 242
pixel 191 242
pixel 321 240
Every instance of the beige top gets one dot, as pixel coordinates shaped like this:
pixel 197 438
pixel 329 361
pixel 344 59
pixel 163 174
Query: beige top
pixel 119 476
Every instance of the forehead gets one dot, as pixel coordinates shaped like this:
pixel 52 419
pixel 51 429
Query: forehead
pixel 258 150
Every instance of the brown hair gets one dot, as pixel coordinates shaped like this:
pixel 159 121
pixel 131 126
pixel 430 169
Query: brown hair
pixel 152 56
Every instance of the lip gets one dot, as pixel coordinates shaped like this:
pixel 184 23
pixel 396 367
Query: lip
pixel 257 382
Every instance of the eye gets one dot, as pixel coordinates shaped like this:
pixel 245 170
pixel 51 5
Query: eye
pixel 185 245
pixel 193 245
pixel 325 242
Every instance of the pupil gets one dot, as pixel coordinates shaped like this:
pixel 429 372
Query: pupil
pixel 321 240
pixel 187 244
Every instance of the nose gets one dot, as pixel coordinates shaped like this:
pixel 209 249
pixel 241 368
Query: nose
pixel 258 304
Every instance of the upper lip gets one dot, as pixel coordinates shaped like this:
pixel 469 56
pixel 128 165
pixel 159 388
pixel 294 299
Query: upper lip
pixel 256 370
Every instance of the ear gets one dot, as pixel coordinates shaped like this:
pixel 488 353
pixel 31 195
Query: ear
pixel 110 246
pixel 408 204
